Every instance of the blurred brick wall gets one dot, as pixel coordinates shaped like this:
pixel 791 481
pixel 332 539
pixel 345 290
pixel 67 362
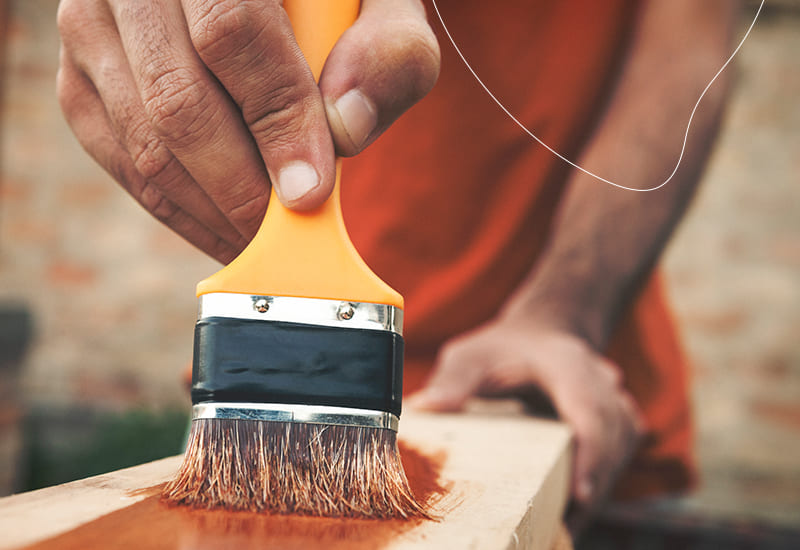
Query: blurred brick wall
pixel 734 273
pixel 111 290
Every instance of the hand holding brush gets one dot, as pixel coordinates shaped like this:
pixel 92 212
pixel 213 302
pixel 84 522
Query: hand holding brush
pixel 196 107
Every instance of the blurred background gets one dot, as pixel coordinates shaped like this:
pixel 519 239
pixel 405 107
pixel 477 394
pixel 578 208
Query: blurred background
pixel 97 300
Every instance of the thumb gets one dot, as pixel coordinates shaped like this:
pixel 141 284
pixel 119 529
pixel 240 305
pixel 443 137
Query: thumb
pixel 387 61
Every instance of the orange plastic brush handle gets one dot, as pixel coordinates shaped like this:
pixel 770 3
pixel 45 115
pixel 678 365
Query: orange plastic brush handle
pixel 306 254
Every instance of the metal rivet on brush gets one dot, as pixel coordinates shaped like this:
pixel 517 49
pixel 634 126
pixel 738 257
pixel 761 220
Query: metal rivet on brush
pixel 261 305
pixel 345 311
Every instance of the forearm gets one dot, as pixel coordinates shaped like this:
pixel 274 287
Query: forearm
pixel 604 239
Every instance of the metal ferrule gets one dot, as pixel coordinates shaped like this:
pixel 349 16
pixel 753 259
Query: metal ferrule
pixel 311 311
pixel 306 414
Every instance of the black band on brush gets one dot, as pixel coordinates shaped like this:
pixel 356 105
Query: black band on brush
pixel 239 360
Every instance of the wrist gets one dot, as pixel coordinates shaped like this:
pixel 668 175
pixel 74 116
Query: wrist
pixel 562 307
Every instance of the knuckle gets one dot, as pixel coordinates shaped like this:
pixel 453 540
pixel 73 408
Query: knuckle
pixel 225 28
pixel 154 201
pixel 450 348
pixel 175 100
pixel 417 58
pixel 67 98
pixel 422 54
pixel 249 209
pixel 68 18
pixel 444 357
pixel 277 116
pixel 636 420
pixel 151 158
pixel 222 251
pixel 136 135
pixel 589 429
pixel 119 165
pixel 612 373
pixel 451 352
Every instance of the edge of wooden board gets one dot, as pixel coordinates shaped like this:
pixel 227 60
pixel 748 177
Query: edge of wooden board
pixel 528 483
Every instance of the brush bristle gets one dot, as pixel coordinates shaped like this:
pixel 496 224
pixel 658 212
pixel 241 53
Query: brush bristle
pixel 294 468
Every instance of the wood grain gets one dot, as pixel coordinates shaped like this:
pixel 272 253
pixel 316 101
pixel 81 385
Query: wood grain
pixel 505 480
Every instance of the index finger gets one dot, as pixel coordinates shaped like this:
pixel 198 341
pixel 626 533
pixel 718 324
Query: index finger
pixel 250 47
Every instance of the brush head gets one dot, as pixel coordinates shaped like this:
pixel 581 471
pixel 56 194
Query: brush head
pixel 294 468
pixel 296 405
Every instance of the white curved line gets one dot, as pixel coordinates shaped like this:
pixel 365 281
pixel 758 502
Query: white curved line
pixel 562 157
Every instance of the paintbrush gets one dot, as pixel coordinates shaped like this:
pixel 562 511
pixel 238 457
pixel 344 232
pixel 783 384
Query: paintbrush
pixel 298 351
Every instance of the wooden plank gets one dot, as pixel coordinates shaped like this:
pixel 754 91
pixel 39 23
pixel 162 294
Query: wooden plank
pixel 37 515
pixel 505 479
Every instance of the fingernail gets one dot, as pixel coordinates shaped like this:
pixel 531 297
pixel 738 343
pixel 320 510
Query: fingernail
pixel 295 181
pixel 358 116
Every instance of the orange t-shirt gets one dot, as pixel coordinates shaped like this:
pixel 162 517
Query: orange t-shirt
pixel 453 205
